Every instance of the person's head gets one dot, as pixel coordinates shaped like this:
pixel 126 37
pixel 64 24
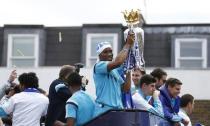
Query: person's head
pixel 104 51
pixel 65 71
pixel 160 76
pixel 173 86
pixel 137 73
pixel 28 80
pixel 187 103
pixel 74 81
pixel 147 84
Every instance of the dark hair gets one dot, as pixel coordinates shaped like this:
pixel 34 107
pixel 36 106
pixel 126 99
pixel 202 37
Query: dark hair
pixel 147 79
pixel 6 91
pixel 16 88
pixel 29 80
pixel 158 73
pixel 172 82
pixel 141 70
pixel 185 99
pixel 66 70
pixel 74 79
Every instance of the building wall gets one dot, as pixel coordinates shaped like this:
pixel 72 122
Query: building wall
pixel 157 50
pixel 67 51
pixel 159 42
pixel 100 28
pixel 198 35
pixel 1 44
pixel 24 29
pixel 195 82
pixel 201 113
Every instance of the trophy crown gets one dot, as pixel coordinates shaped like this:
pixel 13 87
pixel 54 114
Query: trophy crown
pixel 132 17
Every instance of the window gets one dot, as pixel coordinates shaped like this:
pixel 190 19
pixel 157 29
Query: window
pixel 190 53
pixel 92 42
pixel 22 50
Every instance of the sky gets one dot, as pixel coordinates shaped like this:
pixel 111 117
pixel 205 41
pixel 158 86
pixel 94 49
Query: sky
pixel 178 11
pixel 78 12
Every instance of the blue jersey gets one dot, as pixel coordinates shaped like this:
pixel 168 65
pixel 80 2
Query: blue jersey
pixel 80 107
pixel 108 85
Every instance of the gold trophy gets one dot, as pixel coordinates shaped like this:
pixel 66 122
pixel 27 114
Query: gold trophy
pixel 132 19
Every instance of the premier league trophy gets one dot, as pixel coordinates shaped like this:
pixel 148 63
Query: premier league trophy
pixel 135 57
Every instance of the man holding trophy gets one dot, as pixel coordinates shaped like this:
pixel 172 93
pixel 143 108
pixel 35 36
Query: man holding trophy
pixel 109 74
pixel 108 82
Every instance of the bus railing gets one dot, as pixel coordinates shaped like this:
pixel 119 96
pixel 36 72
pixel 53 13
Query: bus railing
pixel 126 117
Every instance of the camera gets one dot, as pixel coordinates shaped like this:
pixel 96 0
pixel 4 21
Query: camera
pixel 78 66
pixel 84 79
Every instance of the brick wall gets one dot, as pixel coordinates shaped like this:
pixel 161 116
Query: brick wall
pixel 201 112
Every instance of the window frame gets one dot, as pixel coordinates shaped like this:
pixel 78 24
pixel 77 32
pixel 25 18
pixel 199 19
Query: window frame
pixel 36 49
pixel 178 42
pixel 88 45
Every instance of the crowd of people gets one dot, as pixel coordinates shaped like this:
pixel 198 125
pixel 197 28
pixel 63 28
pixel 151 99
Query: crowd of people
pixel 67 103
